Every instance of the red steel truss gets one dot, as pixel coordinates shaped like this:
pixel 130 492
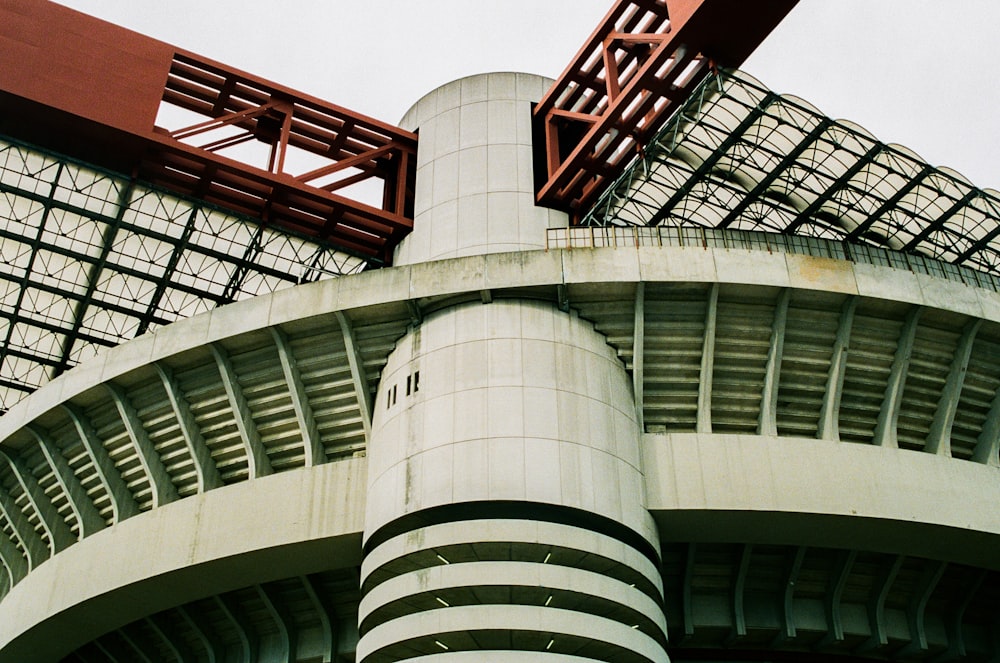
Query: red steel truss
pixel 93 90
pixel 640 63
pixel 354 148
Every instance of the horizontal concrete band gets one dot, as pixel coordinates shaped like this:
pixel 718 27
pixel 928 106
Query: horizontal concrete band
pixel 137 568
pixel 768 489
pixel 514 270
pixel 540 536
pixel 500 656
pixel 443 585
pixel 513 468
pixel 619 642
pixel 513 510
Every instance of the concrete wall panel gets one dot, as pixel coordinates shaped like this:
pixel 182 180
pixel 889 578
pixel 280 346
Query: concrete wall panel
pixel 284 525
pixel 817 492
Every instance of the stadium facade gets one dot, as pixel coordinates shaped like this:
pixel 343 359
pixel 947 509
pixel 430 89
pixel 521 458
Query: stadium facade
pixel 738 399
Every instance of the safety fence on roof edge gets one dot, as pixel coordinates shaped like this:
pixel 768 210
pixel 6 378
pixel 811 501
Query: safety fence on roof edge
pixel 591 237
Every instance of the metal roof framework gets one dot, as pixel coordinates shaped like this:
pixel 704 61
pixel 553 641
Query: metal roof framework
pixel 641 62
pixel 127 102
pixel 739 156
pixel 90 259
pixel 232 108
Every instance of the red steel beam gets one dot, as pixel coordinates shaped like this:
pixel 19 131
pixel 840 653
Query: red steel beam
pixel 640 63
pixel 93 90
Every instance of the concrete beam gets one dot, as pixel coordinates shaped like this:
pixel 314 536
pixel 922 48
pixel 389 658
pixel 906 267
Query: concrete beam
pixel 55 527
pixel 704 424
pixel 123 504
pixel 258 464
pixel 141 648
pixel 686 598
pixel 14 561
pixel 876 606
pixel 738 595
pixel 987 449
pixel 201 455
pixel 767 424
pixel 162 487
pixel 327 618
pixel 917 609
pixel 356 365
pixel 888 416
pixel 812 492
pixel 87 516
pixel 214 652
pixel 312 446
pixel 956 637
pixel 939 436
pixel 638 352
pixel 788 629
pixel 248 649
pixel 173 645
pixel 829 414
pixel 835 622
pixel 284 623
pixel 31 542
pixel 103 582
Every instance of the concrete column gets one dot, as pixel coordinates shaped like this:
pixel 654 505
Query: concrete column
pixel 474 188
pixel 505 494
pixel 506 510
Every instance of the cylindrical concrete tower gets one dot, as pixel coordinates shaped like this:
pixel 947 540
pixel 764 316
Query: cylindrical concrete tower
pixel 474 191
pixel 506 509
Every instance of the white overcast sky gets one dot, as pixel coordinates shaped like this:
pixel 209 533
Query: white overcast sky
pixel 923 73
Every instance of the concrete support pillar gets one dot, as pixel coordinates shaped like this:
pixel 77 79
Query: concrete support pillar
pixel 506 505
pixel 506 513
pixel 474 188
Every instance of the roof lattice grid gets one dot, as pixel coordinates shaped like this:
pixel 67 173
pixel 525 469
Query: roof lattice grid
pixel 89 259
pixel 738 156
pixel 638 66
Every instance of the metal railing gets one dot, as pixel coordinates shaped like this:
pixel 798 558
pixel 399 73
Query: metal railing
pixel 590 237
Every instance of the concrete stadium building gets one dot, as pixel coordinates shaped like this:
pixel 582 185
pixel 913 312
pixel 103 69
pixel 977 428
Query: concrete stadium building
pixel 744 405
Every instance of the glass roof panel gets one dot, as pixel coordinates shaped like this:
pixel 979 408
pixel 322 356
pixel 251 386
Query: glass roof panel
pixel 89 259
pixel 739 156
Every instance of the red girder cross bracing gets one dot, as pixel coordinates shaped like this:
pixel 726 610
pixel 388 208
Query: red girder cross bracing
pixel 640 63
pixel 351 148
pixel 95 91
